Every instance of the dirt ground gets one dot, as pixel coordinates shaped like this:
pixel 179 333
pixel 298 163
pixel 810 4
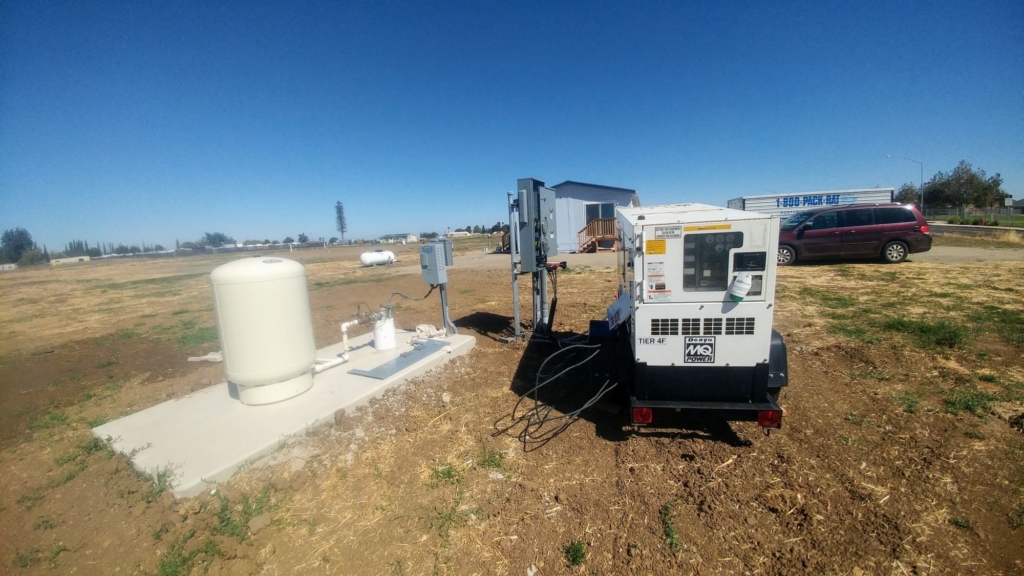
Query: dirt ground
pixel 902 450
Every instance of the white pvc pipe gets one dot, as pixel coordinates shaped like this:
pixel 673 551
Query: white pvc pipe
pixel 327 364
pixel 344 336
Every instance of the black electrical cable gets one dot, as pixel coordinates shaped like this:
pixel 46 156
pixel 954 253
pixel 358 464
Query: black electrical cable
pixel 534 420
pixel 407 297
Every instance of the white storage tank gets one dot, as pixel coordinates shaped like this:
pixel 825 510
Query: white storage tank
pixel 377 258
pixel 266 330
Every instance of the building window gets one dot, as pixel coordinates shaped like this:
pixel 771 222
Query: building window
pixel 595 211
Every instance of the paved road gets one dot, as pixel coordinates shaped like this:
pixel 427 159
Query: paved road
pixel 937 255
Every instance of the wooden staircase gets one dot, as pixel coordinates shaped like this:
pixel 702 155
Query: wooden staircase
pixel 597 231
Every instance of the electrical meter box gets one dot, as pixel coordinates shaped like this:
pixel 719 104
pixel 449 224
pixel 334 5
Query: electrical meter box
pixel 435 258
pixel 537 233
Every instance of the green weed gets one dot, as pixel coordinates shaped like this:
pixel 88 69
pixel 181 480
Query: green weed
pixel 198 336
pixel 939 334
pixel 445 520
pixel 962 523
pixel 909 403
pixel 97 421
pixel 667 526
pixel 27 559
pixel 575 553
pixel 49 420
pixel 854 332
pixel 987 377
pixel 490 459
pixel 44 523
pixel 445 473
pixel 234 520
pixel 106 364
pixel 828 299
pixel 971 400
pixel 180 312
pixel 126 334
pixel 163 481
pixel 1017 517
pixel 855 419
pixel 176 562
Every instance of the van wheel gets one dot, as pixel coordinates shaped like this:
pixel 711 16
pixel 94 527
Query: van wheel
pixel 895 252
pixel 786 256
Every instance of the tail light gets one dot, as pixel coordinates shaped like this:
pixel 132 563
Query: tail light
pixel 925 229
pixel 767 418
pixel 642 415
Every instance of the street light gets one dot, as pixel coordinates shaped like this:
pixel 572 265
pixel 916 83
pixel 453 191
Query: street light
pixel 922 176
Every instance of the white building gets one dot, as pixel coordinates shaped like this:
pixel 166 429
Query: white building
pixel 403 238
pixel 578 204
pixel 6 267
pixel 69 260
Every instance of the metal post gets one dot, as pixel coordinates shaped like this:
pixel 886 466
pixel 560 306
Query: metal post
pixel 448 325
pixel 540 325
pixel 513 245
pixel 922 191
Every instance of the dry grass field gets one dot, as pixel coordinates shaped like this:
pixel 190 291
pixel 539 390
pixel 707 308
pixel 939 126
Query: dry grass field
pixel 902 450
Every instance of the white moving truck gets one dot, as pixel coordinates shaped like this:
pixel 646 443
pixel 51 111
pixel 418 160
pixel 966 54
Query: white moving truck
pixel 790 203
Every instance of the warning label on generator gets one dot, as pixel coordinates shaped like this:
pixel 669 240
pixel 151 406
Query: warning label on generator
pixel 668 232
pixel 699 350
pixel 654 247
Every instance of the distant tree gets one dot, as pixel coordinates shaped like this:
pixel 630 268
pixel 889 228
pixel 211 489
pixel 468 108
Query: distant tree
pixel 134 249
pixel 428 235
pixel 964 186
pixel 14 243
pixel 266 241
pixel 177 245
pixel 303 238
pixel 188 245
pixel 288 240
pixel 907 194
pixel 31 258
pixel 215 240
pixel 476 229
pixel 339 220
pixel 333 240
pixel 276 242
pixel 46 254
pixel 158 248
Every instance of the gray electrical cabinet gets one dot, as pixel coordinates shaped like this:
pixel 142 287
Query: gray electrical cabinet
pixel 434 260
pixel 537 233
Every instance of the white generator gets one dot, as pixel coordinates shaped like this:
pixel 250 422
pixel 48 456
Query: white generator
pixel 692 327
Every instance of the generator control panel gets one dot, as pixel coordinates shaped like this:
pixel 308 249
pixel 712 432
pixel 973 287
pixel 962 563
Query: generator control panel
pixel 435 258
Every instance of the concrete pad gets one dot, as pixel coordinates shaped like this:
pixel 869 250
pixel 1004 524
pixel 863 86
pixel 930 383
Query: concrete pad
pixel 203 438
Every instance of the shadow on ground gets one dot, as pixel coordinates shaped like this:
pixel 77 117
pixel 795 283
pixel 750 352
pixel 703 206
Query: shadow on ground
pixel 556 387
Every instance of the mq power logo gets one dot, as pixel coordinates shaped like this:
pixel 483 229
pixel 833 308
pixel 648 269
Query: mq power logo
pixel 699 350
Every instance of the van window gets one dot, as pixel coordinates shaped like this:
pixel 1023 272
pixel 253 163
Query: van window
pixel 824 221
pixel 856 217
pixel 894 215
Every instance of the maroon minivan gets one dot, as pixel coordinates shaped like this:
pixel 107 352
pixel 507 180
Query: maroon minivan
pixel 889 231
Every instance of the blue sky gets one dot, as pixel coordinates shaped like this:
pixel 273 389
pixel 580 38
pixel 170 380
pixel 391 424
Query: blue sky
pixel 148 121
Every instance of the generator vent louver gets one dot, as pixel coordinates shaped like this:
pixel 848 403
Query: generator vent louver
pixel 664 327
pixel 739 326
pixel 712 326
pixel 690 327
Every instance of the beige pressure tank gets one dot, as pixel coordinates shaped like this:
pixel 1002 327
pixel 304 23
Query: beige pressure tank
pixel 266 331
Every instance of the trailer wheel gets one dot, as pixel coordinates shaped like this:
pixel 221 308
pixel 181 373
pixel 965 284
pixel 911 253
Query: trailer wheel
pixel 786 255
pixel 895 252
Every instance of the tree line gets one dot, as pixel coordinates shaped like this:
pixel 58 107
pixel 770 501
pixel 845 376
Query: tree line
pixel 961 187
